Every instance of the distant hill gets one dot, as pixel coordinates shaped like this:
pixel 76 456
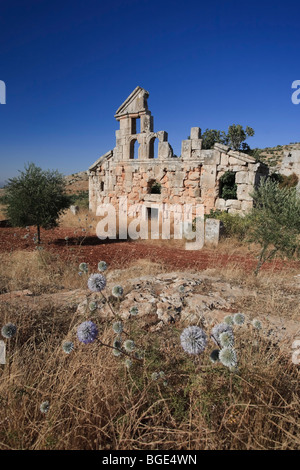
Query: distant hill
pixel 77 182
pixel 273 156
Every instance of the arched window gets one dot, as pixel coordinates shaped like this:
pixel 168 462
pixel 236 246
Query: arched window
pixel 153 148
pixel 133 149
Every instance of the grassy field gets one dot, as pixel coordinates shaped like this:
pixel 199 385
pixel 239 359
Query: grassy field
pixel 97 402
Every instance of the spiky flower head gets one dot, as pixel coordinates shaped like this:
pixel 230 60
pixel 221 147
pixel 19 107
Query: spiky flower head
pixel 92 306
pixel 87 332
pixel 9 330
pixel 228 357
pixel 226 339
pixel 134 311
pixel 128 363
pixel 154 376
pixel 116 352
pixel 257 324
pixel 129 345
pixel 218 329
pixel 83 267
pixel 117 291
pixel 44 408
pixel 117 343
pixel 193 340
pixel 96 282
pixel 68 347
pixel 214 355
pixel 229 320
pixel 118 327
pixel 181 289
pixel 239 318
pixel 102 266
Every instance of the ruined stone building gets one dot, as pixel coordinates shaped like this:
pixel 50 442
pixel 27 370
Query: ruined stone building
pixel 143 168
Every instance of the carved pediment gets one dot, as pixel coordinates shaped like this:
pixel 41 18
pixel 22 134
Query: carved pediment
pixel 136 103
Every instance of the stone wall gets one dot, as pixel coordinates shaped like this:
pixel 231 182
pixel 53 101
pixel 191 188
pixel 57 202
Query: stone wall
pixel 132 167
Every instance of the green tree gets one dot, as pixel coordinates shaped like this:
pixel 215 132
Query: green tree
pixel 275 221
pixel 234 138
pixel 36 197
pixel 210 137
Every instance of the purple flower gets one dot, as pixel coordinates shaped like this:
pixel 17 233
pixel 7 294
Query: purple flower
pixel 96 282
pixel 87 332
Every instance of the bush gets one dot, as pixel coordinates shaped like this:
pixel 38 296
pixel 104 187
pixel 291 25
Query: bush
pixel 275 221
pixel 228 187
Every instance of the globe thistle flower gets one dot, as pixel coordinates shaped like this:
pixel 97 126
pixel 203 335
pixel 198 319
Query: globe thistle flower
pixel 226 339
pixel 92 306
pixel 228 357
pixel 83 267
pixel 66 238
pixel 239 318
pixel 80 273
pixel 118 327
pixel 96 282
pixel 9 330
pixel 214 356
pixel 117 353
pixel 162 374
pixel 117 291
pixel 68 347
pixel 128 363
pixel 87 332
pixel 229 320
pixel 193 340
pixel 44 408
pixel 117 343
pixel 129 345
pixel 155 376
pixel 257 324
pixel 102 266
pixel 181 289
pixel 134 311
pixel 217 330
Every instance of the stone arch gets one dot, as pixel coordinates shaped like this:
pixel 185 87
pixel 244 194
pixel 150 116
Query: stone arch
pixel 133 149
pixel 153 147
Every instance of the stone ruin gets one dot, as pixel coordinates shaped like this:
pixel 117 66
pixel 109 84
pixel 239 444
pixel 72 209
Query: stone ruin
pixel 142 167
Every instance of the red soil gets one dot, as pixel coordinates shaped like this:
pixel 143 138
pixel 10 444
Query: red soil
pixel 118 253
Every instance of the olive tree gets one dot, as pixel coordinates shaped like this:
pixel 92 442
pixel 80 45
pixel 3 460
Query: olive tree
pixel 36 197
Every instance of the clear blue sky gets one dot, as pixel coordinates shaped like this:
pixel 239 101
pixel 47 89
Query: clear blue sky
pixel 69 64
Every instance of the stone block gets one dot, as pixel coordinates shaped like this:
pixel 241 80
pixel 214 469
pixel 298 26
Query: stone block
pixel 246 206
pixel 212 231
pixel 236 161
pixel 195 133
pixel 221 204
pixel 233 204
pixel 164 150
pixel 243 191
pixel 74 209
pixel 224 159
pixel 196 144
pixel 186 148
pixel 242 177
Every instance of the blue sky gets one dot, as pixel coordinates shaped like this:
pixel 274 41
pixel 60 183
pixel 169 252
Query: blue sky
pixel 68 65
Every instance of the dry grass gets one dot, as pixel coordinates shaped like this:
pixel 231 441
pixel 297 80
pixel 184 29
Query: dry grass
pixel 97 403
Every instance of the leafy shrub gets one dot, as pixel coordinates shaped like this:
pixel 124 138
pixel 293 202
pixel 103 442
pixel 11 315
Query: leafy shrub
pixel 228 187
